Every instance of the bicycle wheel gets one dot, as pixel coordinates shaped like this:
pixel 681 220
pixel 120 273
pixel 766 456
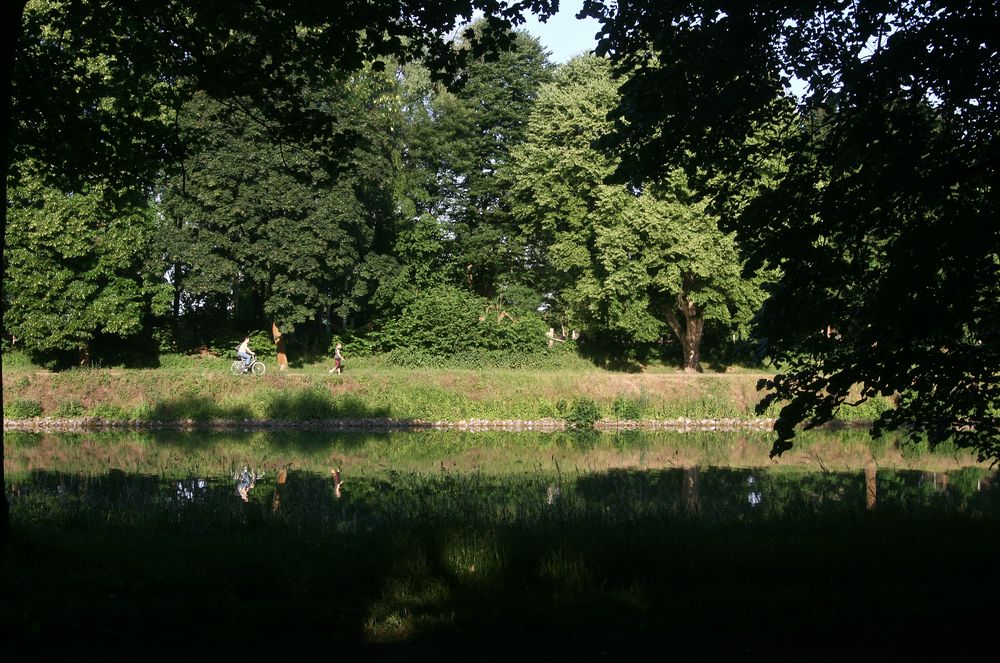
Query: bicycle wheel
pixel 259 368
pixel 237 367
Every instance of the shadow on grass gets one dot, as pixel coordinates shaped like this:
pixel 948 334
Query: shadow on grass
pixel 300 405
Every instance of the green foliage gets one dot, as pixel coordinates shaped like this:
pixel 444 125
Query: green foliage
pixel 625 407
pixel 22 409
pixel 881 219
pixel 108 411
pixel 277 227
pixel 70 408
pixel 304 404
pixel 640 263
pixel 79 265
pixel 456 141
pixel 450 322
pixel 481 359
pixel 261 342
pixel 16 359
pixel 582 414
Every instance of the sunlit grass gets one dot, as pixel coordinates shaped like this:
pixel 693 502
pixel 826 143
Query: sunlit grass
pixel 205 390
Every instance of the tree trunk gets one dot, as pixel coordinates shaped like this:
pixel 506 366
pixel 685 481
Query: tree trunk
pixel 85 354
pixel 177 292
pixel 688 332
pixel 871 486
pixel 279 340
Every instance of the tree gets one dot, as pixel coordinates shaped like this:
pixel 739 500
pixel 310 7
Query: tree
pixel 497 95
pixel 637 260
pixel 90 84
pixel 884 225
pixel 80 265
pixel 274 230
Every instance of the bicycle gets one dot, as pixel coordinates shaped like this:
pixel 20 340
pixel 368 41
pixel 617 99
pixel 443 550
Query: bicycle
pixel 256 367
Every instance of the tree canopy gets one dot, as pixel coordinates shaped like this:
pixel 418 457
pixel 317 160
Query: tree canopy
pixel 639 260
pixel 884 225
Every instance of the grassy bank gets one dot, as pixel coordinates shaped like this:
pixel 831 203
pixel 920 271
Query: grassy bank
pixel 202 388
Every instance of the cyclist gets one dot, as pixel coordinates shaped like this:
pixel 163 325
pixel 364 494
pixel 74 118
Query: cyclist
pixel 245 353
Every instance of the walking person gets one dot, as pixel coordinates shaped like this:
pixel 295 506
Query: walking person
pixel 338 361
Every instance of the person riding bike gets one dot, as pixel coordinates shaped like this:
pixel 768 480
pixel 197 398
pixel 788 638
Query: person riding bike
pixel 245 353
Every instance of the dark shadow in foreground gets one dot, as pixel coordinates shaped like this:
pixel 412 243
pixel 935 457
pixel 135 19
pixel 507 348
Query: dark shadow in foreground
pixel 716 560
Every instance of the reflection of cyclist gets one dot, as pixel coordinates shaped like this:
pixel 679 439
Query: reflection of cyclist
pixel 245 353
pixel 245 482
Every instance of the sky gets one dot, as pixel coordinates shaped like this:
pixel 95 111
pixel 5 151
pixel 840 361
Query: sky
pixel 563 34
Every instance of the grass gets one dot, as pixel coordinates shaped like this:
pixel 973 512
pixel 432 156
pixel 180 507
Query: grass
pixel 202 388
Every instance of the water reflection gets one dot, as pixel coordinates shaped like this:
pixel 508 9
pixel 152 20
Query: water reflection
pixel 190 489
pixel 871 486
pixel 245 482
pixel 276 500
pixel 710 495
pixel 474 478
pixel 754 496
pixel 413 535
pixel 337 483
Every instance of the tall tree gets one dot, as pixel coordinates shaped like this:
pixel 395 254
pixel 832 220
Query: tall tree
pixel 496 96
pixel 275 229
pixel 884 226
pixel 640 261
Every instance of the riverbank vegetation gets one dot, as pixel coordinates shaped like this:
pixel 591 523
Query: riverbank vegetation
pixel 202 388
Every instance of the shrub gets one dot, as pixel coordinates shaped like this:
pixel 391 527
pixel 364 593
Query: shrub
pixel 582 414
pixel 70 409
pixel 23 409
pixel 450 322
pixel 105 411
pixel 630 409
pixel 15 358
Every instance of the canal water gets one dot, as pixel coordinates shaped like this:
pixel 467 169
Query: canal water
pixel 414 537
pixel 311 476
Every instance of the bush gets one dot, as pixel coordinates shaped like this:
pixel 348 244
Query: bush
pixel 16 358
pixel 630 409
pixel 22 409
pixel 105 411
pixel 70 409
pixel 484 359
pixel 450 322
pixel 583 414
pixel 262 343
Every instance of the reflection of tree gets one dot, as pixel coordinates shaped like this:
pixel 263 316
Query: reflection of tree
pixel 337 483
pixel 870 485
pixel 690 496
pixel 276 502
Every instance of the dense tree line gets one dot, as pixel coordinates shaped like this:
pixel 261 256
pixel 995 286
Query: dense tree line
pixel 348 204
